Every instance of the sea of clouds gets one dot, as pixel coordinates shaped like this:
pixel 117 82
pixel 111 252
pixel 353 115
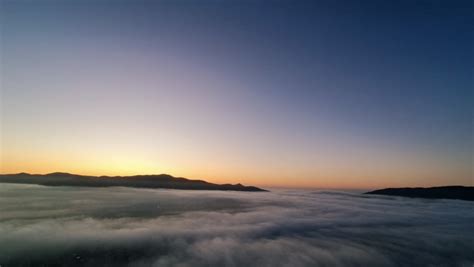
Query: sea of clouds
pixel 116 226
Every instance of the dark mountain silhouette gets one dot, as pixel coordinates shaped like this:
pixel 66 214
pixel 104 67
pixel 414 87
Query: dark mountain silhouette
pixel 141 181
pixel 447 192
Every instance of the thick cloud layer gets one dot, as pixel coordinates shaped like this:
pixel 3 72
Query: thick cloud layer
pixel 144 227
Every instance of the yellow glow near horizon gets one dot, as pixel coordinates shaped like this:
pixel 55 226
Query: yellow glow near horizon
pixel 124 165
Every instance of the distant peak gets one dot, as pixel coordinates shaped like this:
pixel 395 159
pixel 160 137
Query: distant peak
pixel 60 174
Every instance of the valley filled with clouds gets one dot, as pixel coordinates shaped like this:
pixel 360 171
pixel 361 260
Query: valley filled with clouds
pixel 118 226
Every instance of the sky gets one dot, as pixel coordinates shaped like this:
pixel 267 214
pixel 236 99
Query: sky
pixel 324 94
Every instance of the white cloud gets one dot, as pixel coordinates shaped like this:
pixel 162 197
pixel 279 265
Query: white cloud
pixel 142 227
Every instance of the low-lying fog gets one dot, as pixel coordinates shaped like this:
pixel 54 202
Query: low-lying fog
pixel 144 227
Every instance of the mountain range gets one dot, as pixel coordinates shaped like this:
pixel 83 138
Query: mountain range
pixel 140 181
pixel 446 192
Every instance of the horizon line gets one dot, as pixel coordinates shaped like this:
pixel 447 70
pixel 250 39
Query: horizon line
pixel 296 187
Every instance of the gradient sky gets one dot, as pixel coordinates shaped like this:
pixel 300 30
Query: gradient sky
pixel 336 94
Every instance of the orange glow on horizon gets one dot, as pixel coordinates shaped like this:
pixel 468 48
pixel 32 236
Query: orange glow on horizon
pixel 97 159
pixel 320 181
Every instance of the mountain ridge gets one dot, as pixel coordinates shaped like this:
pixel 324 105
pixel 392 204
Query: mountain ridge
pixel 440 192
pixel 164 181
